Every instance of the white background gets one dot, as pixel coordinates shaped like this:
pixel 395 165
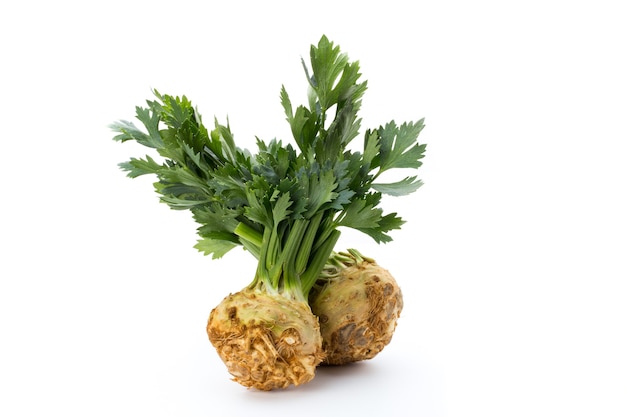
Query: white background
pixel 511 261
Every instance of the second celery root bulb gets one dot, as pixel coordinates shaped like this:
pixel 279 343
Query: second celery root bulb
pixel 358 304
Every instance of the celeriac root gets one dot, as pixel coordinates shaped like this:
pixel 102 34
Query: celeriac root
pixel 358 305
pixel 266 341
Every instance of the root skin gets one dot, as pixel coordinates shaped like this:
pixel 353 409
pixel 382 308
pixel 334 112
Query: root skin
pixel 358 311
pixel 266 341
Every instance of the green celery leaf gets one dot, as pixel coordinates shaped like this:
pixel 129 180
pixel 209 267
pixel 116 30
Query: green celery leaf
pixel 399 147
pixel 215 247
pixel 184 176
pixel 137 167
pixel 399 188
pixel 320 191
pixel 387 223
pixel 223 143
pixel 360 215
pixel 371 148
pixel 151 119
pixel 342 130
pixel 258 209
pixel 384 224
pixel 280 210
pixel 216 218
pixel 128 131
pixel 328 63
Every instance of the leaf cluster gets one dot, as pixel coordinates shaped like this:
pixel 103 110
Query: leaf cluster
pixel 282 203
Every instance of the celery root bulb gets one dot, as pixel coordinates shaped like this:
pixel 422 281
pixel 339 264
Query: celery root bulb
pixel 358 304
pixel 266 341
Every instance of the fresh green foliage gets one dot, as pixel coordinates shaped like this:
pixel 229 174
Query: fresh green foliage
pixel 283 204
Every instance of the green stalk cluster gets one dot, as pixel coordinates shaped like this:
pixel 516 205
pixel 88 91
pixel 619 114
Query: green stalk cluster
pixel 283 204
